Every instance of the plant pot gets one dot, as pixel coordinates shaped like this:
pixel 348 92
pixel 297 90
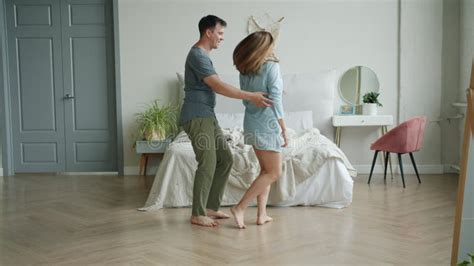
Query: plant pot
pixel 369 109
pixel 155 135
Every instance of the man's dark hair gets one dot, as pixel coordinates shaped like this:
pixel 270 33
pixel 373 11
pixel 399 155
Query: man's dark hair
pixel 210 22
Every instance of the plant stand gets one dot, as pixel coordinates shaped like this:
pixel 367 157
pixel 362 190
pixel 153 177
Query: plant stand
pixel 144 161
pixel 149 149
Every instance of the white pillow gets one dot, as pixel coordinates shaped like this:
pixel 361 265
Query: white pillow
pixel 230 120
pixel 299 121
pixel 181 88
pixel 313 92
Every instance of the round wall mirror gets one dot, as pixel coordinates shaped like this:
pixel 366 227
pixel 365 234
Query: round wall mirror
pixel 356 82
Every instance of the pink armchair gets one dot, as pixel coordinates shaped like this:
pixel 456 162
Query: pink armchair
pixel 405 138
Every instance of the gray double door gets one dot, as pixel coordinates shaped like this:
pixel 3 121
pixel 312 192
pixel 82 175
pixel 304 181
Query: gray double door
pixel 62 85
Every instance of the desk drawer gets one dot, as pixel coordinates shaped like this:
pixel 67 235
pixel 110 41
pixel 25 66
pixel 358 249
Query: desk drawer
pixel 361 120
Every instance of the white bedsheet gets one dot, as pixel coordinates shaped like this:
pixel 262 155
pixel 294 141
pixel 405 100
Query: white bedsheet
pixel 315 172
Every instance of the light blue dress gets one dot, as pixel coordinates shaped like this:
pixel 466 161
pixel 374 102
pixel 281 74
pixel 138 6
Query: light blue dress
pixel 261 127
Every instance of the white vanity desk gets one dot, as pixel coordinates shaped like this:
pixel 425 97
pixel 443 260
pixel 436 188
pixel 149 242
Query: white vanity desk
pixel 339 121
pixel 382 121
pixel 360 85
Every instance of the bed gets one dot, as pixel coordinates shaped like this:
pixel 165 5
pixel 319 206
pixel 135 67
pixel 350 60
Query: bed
pixel 315 171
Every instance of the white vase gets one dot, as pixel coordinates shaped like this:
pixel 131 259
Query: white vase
pixel 369 109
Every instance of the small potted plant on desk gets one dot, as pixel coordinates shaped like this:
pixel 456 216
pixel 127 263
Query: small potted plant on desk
pixel 157 125
pixel 370 103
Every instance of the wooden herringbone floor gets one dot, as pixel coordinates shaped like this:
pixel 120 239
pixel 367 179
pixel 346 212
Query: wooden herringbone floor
pixel 52 219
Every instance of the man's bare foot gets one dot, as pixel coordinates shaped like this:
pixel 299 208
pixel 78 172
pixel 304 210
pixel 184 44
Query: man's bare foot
pixel 203 221
pixel 238 217
pixel 263 219
pixel 217 214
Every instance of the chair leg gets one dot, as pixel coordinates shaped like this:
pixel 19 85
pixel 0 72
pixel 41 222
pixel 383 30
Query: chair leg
pixel 373 164
pixel 401 168
pixel 414 166
pixel 386 163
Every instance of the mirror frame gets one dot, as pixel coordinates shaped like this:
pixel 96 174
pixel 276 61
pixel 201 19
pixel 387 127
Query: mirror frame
pixel 468 134
pixel 359 96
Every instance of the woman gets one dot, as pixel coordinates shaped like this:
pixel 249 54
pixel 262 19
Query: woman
pixel 262 126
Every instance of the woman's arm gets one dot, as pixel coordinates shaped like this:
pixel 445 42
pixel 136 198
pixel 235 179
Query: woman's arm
pixel 275 89
pixel 283 131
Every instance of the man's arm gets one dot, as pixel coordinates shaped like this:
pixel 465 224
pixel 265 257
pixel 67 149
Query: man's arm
pixel 227 90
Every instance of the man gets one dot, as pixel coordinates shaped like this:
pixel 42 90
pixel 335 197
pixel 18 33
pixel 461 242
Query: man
pixel 199 122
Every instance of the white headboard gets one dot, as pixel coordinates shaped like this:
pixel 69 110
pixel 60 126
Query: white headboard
pixel 303 92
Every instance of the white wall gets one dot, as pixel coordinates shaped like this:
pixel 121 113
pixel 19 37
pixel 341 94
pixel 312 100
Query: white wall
pixel 467 45
pixel 155 36
pixel 420 75
pixel 450 130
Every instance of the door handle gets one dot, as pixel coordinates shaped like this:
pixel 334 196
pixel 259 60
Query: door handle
pixel 68 97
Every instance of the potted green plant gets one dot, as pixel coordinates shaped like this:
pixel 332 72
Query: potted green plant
pixel 157 123
pixel 371 103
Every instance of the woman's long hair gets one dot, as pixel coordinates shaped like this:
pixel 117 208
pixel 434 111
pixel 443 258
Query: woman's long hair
pixel 252 52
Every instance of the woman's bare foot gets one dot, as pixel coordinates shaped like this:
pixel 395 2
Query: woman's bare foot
pixel 217 214
pixel 203 221
pixel 238 217
pixel 263 219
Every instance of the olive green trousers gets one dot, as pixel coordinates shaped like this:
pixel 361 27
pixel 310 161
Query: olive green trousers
pixel 215 161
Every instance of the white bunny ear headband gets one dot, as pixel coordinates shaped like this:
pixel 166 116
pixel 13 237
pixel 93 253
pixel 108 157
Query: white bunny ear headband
pixel 271 26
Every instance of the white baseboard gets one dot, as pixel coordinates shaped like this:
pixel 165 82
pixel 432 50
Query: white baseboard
pixel 407 168
pixel 451 169
pixel 130 170
pixel 67 173
pixel 133 170
pixel 87 173
pixel 77 173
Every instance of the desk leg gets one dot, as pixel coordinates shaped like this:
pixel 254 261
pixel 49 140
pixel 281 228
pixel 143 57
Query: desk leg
pixel 146 164
pixel 338 136
pixel 142 164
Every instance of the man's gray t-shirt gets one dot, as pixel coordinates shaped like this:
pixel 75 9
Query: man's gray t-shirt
pixel 199 99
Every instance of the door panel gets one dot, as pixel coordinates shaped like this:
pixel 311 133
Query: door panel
pixel 62 84
pixel 39 152
pixel 35 56
pixel 92 13
pixel 32 15
pixel 89 84
pixel 36 101
pixel 88 59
